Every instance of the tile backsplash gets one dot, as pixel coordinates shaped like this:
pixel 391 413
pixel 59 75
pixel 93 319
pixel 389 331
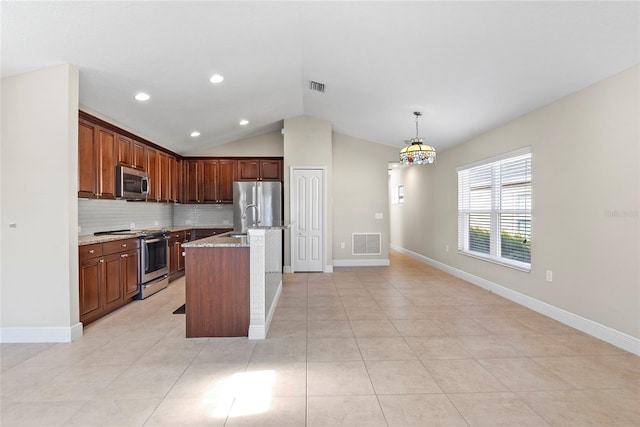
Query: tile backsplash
pixel 203 215
pixel 102 215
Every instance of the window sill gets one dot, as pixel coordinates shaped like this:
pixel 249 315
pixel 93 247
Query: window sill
pixel 515 264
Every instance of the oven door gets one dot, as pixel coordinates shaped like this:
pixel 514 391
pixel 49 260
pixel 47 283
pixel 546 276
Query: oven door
pixel 154 258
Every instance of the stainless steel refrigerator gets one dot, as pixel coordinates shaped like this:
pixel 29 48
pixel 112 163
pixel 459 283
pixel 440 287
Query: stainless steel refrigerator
pixel 256 203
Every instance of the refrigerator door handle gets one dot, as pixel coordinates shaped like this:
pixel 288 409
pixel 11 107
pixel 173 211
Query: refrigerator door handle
pixel 259 203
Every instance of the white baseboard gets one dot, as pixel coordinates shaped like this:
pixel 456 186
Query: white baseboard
pixel 46 334
pixel 361 262
pixel 287 269
pixel 328 269
pixel 598 330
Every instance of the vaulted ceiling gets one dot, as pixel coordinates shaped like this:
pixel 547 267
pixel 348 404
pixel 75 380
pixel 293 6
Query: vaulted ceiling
pixel 467 66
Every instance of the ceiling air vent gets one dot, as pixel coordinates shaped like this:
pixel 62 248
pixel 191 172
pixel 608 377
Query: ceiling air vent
pixel 317 86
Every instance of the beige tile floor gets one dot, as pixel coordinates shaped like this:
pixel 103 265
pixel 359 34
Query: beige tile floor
pixel 405 345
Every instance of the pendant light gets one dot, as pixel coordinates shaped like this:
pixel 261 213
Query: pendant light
pixel 417 153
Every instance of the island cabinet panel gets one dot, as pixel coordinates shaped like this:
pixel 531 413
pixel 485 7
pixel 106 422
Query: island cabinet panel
pixel 217 292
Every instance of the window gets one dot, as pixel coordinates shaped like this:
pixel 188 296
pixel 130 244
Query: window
pixel 398 195
pixel 494 209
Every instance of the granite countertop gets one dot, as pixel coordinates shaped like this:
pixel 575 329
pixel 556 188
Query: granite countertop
pixel 227 241
pixel 220 241
pixel 91 239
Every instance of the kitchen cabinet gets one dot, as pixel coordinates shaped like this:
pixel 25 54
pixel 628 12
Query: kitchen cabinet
pixel 164 181
pixel 152 170
pixel 209 180
pixel 201 233
pixel 260 170
pixel 96 161
pixel 130 153
pixel 176 260
pixel 87 173
pixel 106 141
pixel 125 151
pixel 175 172
pixel 108 277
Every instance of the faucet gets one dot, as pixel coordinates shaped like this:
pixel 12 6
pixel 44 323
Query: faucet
pixel 244 214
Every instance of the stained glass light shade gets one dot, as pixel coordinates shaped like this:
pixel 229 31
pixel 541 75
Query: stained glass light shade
pixel 417 153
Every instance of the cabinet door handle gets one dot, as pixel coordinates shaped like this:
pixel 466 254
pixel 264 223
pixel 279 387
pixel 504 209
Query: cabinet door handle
pixel 102 260
pixel 124 256
pixel 91 251
pixel 124 245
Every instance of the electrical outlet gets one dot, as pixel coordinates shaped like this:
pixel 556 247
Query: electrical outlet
pixel 446 248
pixel 156 223
pixel 549 276
pixel 226 222
pixel 187 221
pixel 132 225
pixel 342 245
pixel 79 229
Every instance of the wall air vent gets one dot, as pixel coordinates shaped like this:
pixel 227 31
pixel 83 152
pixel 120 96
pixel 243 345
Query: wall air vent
pixel 317 86
pixel 365 244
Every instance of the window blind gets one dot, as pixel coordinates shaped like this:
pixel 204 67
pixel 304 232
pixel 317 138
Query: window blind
pixel 494 209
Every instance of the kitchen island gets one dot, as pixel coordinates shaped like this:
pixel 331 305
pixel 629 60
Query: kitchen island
pixel 233 283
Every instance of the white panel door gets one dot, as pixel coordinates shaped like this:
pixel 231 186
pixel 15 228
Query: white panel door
pixel 307 198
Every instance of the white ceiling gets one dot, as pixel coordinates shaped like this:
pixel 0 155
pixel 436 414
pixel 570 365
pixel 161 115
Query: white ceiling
pixel 468 66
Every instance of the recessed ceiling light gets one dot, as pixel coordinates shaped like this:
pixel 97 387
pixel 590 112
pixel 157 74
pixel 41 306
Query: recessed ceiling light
pixel 142 96
pixel 216 78
pixel 244 122
pixel 195 134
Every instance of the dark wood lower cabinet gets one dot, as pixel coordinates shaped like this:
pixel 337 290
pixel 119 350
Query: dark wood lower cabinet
pixel 176 260
pixel 108 278
pixel 90 280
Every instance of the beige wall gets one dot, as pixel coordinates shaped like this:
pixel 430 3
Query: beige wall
pixel 307 142
pixel 360 177
pixel 39 279
pixel 585 160
pixel 268 145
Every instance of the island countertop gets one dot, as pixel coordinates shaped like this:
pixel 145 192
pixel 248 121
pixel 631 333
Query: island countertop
pixel 220 241
pixel 227 240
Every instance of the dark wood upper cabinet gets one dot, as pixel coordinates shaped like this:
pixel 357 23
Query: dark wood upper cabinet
pixel 87 173
pixel 103 146
pixel 191 181
pixel 175 179
pixel 164 178
pixel 152 170
pixel 138 156
pixel 209 180
pixel 271 170
pixel 227 172
pixel 106 140
pixel 259 170
pixel 125 151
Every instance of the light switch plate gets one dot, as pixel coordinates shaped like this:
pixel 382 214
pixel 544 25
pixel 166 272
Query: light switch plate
pixel 379 215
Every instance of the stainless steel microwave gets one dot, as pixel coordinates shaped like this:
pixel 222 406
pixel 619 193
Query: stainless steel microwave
pixel 131 184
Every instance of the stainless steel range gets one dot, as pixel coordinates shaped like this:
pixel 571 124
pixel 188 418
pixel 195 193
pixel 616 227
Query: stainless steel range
pixel 154 262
